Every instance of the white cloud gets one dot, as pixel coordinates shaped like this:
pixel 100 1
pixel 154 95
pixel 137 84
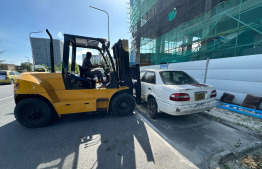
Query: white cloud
pixel 80 52
pixel 60 35
pixel 79 61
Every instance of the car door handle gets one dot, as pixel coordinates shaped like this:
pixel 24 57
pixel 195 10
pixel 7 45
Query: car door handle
pixel 149 88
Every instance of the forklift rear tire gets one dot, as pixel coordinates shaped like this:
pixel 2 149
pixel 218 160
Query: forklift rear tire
pixel 123 104
pixel 32 113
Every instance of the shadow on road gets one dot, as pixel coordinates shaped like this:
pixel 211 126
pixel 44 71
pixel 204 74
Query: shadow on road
pixel 75 141
pixel 6 84
pixel 196 137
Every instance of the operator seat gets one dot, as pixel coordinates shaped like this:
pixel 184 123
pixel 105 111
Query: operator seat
pixel 82 73
pixel 91 78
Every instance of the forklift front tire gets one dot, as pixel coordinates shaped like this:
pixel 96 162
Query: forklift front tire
pixel 32 113
pixel 123 104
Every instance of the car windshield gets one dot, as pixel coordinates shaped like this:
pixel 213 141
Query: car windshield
pixel 101 70
pixel 176 78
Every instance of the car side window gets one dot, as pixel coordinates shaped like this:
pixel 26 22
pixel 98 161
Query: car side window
pixel 17 73
pixel 141 75
pixel 149 78
pixel 11 73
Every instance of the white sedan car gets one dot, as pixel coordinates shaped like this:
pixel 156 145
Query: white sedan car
pixel 175 93
pixel 102 71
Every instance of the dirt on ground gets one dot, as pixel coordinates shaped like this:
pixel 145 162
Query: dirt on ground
pixel 236 118
pixel 249 161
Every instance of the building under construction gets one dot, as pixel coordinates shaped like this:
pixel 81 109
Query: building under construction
pixel 188 30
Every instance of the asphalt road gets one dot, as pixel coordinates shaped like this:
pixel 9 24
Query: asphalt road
pixel 6 91
pixel 83 141
pixel 197 137
pixel 105 141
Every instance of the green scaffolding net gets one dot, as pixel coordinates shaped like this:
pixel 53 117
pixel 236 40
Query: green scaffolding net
pixel 172 15
pixel 232 28
pixel 139 9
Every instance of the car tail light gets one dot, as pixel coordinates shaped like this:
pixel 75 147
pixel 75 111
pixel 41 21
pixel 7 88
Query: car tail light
pixel 6 78
pixel 213 93
pixel 179 97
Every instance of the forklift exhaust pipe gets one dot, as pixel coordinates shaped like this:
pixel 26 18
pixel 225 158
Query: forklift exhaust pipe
pixel 51 52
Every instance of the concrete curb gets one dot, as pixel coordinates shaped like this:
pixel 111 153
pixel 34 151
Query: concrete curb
pixel 233 125
pixel 228 155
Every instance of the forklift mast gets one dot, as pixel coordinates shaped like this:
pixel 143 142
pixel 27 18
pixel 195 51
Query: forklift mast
pixel 121 56
pixel 127 75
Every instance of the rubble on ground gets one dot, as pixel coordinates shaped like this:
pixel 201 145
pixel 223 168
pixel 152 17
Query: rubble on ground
pixel 249 161
pixel 236 118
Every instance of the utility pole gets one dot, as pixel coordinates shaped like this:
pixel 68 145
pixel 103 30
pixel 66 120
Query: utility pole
pixel 28 63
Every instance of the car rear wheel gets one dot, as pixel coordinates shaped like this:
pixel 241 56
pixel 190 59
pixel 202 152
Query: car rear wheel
pixel 152 108
pixel 123 104
pixel 32 113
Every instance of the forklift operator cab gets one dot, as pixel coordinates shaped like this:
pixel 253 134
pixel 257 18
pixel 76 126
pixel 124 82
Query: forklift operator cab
pixel 73 81
pixel 40 96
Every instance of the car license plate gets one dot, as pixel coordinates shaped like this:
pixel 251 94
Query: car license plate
pixel 200 96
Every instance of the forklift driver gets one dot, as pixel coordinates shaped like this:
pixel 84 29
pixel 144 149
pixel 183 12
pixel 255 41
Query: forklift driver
pixel 87 66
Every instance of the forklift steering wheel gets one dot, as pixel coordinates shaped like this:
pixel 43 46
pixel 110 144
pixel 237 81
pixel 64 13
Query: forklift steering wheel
pixel 106 69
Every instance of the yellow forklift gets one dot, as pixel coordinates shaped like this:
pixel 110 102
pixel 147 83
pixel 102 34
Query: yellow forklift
pixel 40 96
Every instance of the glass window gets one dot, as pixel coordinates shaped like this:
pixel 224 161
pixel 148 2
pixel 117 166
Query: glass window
pixel 11 73
pixel 176 78
pixel 149 78
pixel 2 72
pixel 142 74
pixel 17 73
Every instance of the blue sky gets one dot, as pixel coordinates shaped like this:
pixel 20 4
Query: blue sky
pixel 20 17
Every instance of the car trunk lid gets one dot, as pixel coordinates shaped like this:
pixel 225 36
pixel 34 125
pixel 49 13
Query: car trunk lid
pixel 198 93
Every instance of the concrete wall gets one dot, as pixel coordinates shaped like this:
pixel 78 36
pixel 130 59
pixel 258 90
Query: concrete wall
pixel 10 67
pixel 237 75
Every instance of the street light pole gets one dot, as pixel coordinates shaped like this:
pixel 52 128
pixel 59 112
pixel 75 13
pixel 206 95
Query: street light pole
pixel 108 20
pixel 32 47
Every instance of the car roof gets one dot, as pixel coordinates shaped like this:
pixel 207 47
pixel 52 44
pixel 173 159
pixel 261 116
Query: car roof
pixel 161 70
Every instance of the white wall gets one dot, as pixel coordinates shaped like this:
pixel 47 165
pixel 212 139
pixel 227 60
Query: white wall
pixel 236 75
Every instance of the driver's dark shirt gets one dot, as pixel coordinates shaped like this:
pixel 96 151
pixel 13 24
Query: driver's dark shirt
pixel 86 64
